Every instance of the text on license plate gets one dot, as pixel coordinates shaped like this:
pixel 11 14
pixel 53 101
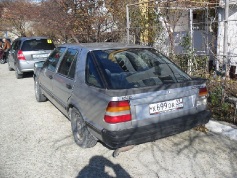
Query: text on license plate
pixel 40 55
pixel 166 106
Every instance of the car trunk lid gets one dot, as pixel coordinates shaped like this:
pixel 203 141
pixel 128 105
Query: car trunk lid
pixel 158 104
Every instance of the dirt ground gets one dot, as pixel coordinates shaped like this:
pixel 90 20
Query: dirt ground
pixel 36 141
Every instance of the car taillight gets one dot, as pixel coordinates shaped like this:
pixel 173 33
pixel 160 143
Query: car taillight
pixel 20 55
pixel 118 111
pixel 203 91
pixel 202 99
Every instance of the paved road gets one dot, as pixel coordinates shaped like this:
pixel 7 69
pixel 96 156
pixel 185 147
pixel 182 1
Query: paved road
pixel 36 141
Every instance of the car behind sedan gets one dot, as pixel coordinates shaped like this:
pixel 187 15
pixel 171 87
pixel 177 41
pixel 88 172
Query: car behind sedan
pixel 25 51
pixel 120 94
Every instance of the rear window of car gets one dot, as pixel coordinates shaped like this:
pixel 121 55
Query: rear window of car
pixel 136 68
pixel 37 44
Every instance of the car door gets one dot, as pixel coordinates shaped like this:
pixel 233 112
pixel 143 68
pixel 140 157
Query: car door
pixel 47 74
pixel 64 78
pixel 12 56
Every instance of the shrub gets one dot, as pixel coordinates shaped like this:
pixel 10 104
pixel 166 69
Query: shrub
pixel 221 109
pixel 219 89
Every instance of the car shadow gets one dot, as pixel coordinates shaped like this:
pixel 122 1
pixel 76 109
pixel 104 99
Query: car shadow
pixel 28 75
pixel 102 167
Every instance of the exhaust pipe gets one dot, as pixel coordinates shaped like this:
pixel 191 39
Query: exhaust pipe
pixel 122 149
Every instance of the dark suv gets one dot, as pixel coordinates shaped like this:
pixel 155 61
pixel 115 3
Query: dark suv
pixel 25 51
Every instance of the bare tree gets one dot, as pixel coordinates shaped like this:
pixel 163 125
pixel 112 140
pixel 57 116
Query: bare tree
pixel 79 21
pixel 16 15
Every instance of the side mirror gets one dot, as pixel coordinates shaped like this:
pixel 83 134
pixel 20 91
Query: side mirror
pixel 39 64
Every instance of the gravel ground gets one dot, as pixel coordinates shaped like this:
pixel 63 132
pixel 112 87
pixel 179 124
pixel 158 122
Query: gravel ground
pixel 36 141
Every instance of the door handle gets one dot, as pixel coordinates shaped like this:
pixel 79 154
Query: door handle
pixel 69 86
pixel 50 77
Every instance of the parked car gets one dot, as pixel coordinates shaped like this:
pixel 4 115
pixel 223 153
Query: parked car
pixel 25 51
pixel 120 94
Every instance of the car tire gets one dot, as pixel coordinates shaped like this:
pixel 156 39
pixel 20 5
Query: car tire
pixel 2 61
pixel 38 93
pixel 9 67
pixel 81 134
pixel 18 75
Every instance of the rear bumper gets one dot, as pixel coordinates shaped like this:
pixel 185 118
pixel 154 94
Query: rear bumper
pixel 25 66
pixel 117 139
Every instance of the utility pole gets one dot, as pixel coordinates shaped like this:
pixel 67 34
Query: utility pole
pixel 225 47
pixel 225 52
pixel 190 60
pixel 128 23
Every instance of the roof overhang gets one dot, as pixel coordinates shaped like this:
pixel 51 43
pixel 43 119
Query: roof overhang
pixel 231 2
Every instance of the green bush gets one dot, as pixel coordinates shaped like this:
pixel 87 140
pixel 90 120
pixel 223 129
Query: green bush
pixel 221 109
pixel 218 89
pixel 198 66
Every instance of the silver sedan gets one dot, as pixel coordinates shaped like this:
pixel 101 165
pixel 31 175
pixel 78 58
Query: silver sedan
pixel 119 94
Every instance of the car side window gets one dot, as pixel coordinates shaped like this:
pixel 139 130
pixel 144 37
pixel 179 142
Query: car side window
pixel 73 69
pixel 92 76
pixel 68 64
pixel 15 45
pixel 18 45
pixel 53 59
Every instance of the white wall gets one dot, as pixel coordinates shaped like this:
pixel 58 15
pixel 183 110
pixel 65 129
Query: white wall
pixel 231 35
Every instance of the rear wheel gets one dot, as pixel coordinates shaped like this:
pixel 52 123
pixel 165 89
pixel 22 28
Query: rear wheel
pixel 81 134
pixel 2 61
pixel 18 74
pixel 38 93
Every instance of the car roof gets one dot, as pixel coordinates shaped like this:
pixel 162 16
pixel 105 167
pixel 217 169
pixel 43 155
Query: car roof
pixel 103 46
pixel 32 37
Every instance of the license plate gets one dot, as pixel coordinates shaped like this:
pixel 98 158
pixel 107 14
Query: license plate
pixel 40 55
pixel 166 106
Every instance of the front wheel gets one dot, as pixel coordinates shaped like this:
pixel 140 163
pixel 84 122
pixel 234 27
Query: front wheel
pixel 9 67
pixel 81 134
pixel 38 93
